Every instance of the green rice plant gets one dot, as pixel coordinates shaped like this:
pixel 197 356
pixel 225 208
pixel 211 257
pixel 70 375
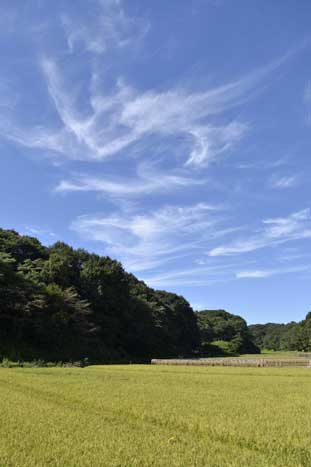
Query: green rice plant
pixel 155 416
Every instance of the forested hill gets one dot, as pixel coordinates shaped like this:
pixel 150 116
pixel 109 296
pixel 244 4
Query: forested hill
pixel 58 303
pixel 224 333
pixel 61 304
pixel 290 336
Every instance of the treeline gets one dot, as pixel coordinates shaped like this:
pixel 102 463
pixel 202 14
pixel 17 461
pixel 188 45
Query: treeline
pixel 58 303
pixel 222 333
pixel 61 304
pixel 291 336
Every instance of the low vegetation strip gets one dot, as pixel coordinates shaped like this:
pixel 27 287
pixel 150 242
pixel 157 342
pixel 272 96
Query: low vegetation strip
pixel 238 362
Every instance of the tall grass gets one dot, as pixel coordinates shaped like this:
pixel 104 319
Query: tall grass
pixel 119 416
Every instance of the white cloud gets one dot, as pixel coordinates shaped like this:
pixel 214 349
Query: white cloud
pixel 106 26
pixel 198 276
pixel 45 235
pixel 147 180
pixel 296 225
pixel 307 98
pixel 154 244
pixel 40 231
pixel 143 241
pixel 126 117
pixel 284 182
pixel 253 274
pixel 122 118
pixel 262 165
pixel 273 232
pixel 97 121
pixel 308 92
pixel 261 274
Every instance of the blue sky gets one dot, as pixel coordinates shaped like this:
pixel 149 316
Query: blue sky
pixel 173 136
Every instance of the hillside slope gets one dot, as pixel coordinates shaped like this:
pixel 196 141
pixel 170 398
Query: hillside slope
pixel 61 304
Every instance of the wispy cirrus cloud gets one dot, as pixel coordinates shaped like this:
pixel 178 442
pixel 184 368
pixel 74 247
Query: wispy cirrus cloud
pixel 125 117
pixel 307 99
pixel 262 165
pixel 143 241
pixel 39 231
pixel 106 26
pixel 147 243
pixel 44 234
pixel 308 92
pixel 148 179
pixel 194 276
pixel 273 231
pixel 284 181
pixel 192 124
pixel 265 273
pixel 210 272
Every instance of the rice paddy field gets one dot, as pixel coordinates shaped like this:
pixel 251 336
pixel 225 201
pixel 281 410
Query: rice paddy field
pixel 149 415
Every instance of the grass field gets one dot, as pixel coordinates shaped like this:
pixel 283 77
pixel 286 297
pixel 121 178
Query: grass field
pixel 134 415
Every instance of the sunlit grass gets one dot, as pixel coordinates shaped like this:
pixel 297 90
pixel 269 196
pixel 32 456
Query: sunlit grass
pixel 155 416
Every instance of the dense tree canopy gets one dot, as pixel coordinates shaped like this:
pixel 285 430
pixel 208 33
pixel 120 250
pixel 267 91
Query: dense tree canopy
pixel 224 333
pixel 57 303
pixel 291 336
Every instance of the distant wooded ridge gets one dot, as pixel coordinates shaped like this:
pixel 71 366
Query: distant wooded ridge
pixel 62 304
pixel 290 336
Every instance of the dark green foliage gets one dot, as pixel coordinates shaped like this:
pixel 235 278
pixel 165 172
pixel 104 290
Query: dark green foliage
pixel 61 304
pixel 291 336
pixel 175 331
pixel 223 333
pixel 21 247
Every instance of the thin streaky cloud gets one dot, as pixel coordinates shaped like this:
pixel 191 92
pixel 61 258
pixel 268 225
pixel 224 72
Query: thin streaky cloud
pixel 307 99
pixel 147 180
pixel 262 274
pixel 284 181
pixel 262 165
pixel 211 271
pixel 274 231
pixel 287 257
pixel 125 117
pixel 307 94
pixel 107 27
pixel 198 276
pixel 39 231
pixel 151 239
